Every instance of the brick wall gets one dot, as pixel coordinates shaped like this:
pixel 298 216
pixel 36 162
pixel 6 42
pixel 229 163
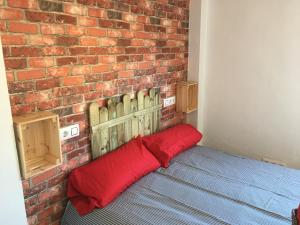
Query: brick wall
pixel 61 55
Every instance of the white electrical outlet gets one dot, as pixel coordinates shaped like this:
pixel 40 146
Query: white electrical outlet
pixel 169 101
pixel 69 132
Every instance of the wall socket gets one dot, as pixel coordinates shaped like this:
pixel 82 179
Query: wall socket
pixel 69 132
pixel 169 101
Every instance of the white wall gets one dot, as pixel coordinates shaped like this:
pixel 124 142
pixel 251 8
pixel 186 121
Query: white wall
pixel 197 57
pixel 252 78
pixel 12 209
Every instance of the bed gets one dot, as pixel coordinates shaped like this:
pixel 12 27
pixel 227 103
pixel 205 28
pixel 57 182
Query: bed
pixel 201 185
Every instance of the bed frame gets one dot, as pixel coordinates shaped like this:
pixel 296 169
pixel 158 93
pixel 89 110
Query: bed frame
pixel 124 119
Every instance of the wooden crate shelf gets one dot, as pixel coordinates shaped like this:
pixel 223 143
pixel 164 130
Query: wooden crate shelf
pixel 37 137
pixel 186 96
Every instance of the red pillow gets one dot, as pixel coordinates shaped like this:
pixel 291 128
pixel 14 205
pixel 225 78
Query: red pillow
pixel 170 142
pixel 99 182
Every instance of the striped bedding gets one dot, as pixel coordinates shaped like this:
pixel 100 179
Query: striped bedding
pixel 203 186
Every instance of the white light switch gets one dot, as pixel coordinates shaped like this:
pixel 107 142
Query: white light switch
pixel 69 132
pixel 169 101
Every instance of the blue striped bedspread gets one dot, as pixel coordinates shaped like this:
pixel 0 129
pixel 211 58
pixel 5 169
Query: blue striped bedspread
pixel 203 186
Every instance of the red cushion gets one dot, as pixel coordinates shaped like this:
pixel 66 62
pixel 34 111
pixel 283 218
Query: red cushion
pixel 170 142
pixel 99 182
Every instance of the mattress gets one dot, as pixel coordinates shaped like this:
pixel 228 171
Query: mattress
pixel 203 186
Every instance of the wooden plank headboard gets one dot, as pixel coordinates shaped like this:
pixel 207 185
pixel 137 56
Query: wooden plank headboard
pixel 120 121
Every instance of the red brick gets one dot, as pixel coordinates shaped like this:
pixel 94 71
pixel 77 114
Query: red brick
pixel 52 29
pixel 119 66
pixel 62 40
pixel 145 65
pixel 31 201
pixel 143 35
pixel 137 42
pixel 71 164
pixel 49 193
pixel 20 27
pixel 79 108
pixel 15 63
pixel 40 62
pixel 47 84
pixel 110 76
pixel 73 80
pixel 32 4
pixel 18 87
pixel 54 51
pixel 75 118
pixel 2 26
pixel 56 180
pixel 107 23
pixel 87 2
pixel 127 34
pixel 74 30
pixel 122 25
pixel 117 50
pixel 78 50
pixel 98 51
pixel 16 99
pixel 44 176
pixel 30 74
pixel 131 50
pixel 26 51
pixel 66 61
pixel 85 158
pixel 122 58
pixel 32 220
pixel 137 27
pixel 100 13
pixel 89 41
pixel 100 68
pixel 78 70
pixel 41 40
pixel 123 42
pixel 22 109
pixel 141 19
pixel 58 71
pixel 126 74
pixel 11 14
pixel 31 97
pixel 73 99
pixel 87 21
pixel 128 17
pixel 93 77
pixel 114 33
pixel 9 76
pixel 88 60
pixel 107 59
pixel 132 66
pixel 108 42
pixel 51 104
pixel 74 9
pixel 64 19
pixel 39 17
pixel 96 32
pixel 6 52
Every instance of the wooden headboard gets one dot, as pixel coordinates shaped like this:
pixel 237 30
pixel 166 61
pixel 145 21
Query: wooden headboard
pixel 123 119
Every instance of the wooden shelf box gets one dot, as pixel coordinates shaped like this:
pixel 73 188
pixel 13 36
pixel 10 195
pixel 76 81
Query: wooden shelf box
pixel 186 96
pixel 37 138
